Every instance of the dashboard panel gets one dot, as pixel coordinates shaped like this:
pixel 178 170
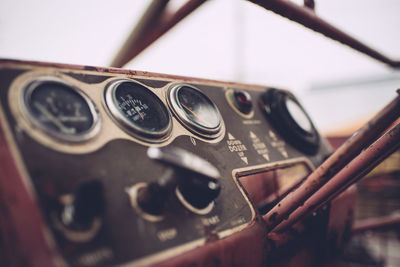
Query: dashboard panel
pixel 132 168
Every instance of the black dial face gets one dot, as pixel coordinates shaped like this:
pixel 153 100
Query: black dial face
pixel 291 121
pixel 61 110
pixel 138 110
pixel 195 109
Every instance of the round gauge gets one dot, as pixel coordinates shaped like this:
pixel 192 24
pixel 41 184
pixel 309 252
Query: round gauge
pixel 138 110
pixel 195 110
pixel 290 119
pixel 61 110
pixel 299 115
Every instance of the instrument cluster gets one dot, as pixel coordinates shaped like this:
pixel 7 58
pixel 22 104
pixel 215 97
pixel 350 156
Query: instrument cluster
pixel 132 166
pixel 64 112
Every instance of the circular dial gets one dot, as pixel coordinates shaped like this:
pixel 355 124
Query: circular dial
pixel 195 110
pixel 298 115
pixel 61 110
pixel 290 119
pixel 138 110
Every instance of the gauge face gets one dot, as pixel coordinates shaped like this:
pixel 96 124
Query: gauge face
pixel 289 118
pixel 138 110
pixel 61 110
pixel 298 115
pixel 195 110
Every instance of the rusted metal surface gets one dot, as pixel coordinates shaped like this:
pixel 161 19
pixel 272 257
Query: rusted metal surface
pixel 340 158
pixel 232 251
pixel 11 62
pixel 355 170
pixel 254 247
pixel 309 19
pixel 154 23
pixel 341 217
pixel 376 224
pixel 27 244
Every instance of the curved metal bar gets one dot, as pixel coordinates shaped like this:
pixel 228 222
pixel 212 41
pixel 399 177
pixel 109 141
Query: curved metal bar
pixel 154 23
pixel 381 223
pixel 307 17
pixel 340 158
pixel 353 172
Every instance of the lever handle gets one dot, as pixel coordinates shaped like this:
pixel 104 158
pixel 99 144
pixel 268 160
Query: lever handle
pixel 196 179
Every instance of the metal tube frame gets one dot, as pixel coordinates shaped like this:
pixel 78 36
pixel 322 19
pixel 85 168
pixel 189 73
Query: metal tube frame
pixel 307 17
pixel 155 23
pixel 354 171
pixel 340 158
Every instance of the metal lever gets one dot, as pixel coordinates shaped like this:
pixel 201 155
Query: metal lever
pixel 196 179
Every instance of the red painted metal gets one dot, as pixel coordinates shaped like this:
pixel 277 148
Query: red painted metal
pixel 354 171
pixel 22 236
pixel 340 158
pixel 232 251
pixel 154 23
pixel 25 242
pixel 307 17
pixel 341 219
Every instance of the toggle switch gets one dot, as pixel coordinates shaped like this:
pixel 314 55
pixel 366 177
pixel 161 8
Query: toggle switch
pixel 87 204
pixel 152 198
pixel 194 178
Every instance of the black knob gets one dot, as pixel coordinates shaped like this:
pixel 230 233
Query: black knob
pixel 153 198
pixel 87 204
pixel 289 118
pixel 196 179
pixel 198 190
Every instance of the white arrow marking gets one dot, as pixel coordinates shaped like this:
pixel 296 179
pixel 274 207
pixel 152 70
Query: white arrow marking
pixel 272 135
pixel 230 137
pixel 252 135
pixel 266 156
pixel 245 160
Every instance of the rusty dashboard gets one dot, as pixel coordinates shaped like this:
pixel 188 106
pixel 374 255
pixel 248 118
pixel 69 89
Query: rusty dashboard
pixel 132 168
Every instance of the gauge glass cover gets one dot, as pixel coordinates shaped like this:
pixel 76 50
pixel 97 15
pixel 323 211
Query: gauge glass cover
pixel 298 115
pixel 195 110
pixel 138 110
pixel 61 110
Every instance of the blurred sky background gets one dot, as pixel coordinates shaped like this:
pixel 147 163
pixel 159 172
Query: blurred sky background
pixel 230 40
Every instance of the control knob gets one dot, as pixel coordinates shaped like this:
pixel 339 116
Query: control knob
pixel 86 205
pixel 194 178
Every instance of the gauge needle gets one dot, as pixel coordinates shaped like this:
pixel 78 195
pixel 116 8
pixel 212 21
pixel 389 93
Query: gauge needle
pixel 137 110
pixel 53 119
pixel 72 118
pixel 196 115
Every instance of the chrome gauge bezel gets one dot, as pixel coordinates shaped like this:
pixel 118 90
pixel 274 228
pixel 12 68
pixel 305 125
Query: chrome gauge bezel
pixel 69 138
pixel 126 124
pixel 181 115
